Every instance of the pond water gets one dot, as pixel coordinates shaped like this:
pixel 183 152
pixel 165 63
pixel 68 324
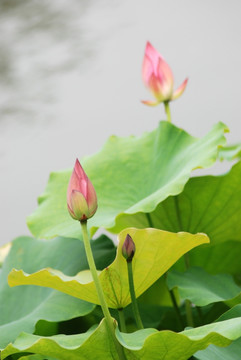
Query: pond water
pixel 70 76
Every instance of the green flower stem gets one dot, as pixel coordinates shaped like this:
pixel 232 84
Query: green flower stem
pixel 188 303
pixel 187 260
pixel 91 262
pixel 122 320
pixel 200 314
pixel 171 292
pixel 174 302
pixel 168 111
pixel 149 220
pixel 189 316
pixel 133 296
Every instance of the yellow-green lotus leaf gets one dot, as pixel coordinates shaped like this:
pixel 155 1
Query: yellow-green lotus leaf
pixel 156 252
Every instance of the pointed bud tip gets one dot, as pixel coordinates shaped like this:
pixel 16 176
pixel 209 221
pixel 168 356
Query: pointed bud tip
pixel 128 248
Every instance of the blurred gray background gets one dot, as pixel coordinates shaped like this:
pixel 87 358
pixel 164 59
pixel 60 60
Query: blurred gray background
pixel 70 76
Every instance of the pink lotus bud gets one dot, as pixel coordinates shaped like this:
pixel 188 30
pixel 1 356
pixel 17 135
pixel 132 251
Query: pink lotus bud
pixel 128 248
pixel 158 77
pixel 81 195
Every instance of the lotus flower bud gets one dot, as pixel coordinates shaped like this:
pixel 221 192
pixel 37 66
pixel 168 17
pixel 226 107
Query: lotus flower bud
pixel 128 248
pixel 81 195
pixel 158 78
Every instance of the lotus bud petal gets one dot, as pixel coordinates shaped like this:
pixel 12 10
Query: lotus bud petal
pixel 158 78
pixel 81 195
pixel 179 91
pixel 128 248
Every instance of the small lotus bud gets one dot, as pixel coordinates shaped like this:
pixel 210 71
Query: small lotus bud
pixel 128 248
pixel 81 195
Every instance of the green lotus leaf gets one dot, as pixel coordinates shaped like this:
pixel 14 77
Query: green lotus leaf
pixel 202 288
pixel 208 204
pixel 235 312
pixel 130 175
pixel 230 152
pixel 156 252
pixel 93 344
pixel 21 308
pixel 231 352
pixel 220 258
pixel 144 344
pixel 180 346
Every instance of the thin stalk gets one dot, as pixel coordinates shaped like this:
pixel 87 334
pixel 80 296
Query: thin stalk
pixel 91 262
pixel 188 303
pixel 174 302
pixel 187 261
pixel 122 320
pixel 133 296
pixel 168 111
pixel 149 220
pixel 200 314
pixel 189 316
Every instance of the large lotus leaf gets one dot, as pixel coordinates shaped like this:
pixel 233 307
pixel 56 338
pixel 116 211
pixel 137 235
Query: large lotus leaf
pixel 202 288
pixel 235 312
pixel 230 152
pixel 209 204
pixel 142 345
pixel 156 252
pixel 93 345
pixel 231 352
pixel 130 175
pixel 21 308
pixel 180 346
pixel 220 258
